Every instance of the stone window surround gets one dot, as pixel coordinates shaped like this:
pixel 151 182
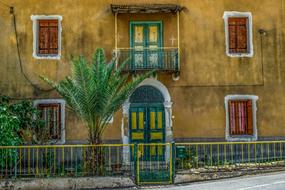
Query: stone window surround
pixel 228 14
pixel 52 101
pixel 254 110
pixel 35 18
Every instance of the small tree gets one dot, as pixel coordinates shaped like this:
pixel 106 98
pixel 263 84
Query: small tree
pixel 96 91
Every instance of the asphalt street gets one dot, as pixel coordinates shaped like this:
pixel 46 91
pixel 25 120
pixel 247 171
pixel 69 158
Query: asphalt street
pixel 273 181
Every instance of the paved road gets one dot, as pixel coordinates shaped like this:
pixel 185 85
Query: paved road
pixel 273 181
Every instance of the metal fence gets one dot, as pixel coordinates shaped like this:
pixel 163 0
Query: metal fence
pixel 65 160
pixel 160 59
pixel 195 155
pixel 147 163
pixel 154 163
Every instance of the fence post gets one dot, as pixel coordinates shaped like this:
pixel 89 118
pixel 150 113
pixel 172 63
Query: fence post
pixel 135 157
pixel 173 161
pixel 15 169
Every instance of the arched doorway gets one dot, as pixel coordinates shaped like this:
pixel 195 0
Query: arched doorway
pixel 147 119
pixel 167 109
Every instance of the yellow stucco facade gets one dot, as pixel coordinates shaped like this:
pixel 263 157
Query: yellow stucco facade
pixel 207 74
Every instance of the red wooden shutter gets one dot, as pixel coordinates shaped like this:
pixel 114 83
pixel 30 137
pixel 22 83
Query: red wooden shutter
pixel 249 118
pixel 230 104
pixel 53 37
pixel 233 117
pixel 43 44
pixel 48 37
pixel 237 27
pixel 237 118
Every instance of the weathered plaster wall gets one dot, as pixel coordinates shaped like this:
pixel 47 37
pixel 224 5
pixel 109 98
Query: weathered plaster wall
pixel 207 74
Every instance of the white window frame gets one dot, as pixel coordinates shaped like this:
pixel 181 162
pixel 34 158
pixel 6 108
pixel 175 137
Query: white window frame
pixel 62 103
pixel 35 18
pixel 229 14
pixel 229 137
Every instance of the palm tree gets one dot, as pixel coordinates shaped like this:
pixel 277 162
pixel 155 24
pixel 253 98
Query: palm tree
pixel 96 91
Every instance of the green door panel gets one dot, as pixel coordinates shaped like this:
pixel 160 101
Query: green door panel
pixel 137 124
pixel 147 125
pixel 146 42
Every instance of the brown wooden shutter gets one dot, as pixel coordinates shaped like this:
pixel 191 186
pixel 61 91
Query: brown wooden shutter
pixel 249 118
pixel 237 27
pixel 54 123
pixel 230 116
pixel 53 37
pixel 43 44
pixel 48 37
pixel 233 129
pixel 237 117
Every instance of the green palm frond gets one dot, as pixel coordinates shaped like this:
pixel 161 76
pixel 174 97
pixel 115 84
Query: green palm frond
pixel 96 91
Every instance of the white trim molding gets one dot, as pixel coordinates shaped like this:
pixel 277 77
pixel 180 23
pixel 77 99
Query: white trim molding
pixel 62 103
pixel 254 109
pixel 228 14
pixel 35 18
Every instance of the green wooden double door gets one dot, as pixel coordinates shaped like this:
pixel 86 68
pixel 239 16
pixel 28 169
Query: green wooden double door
pixel 147 126
pixel 146 42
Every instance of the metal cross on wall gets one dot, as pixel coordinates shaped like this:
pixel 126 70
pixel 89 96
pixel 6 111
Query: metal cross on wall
pixel 172 39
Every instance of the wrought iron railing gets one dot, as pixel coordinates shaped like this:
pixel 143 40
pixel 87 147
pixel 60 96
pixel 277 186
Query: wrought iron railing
pixel 207 154
pixel 141 59
pixel 145 162
pixel 65 160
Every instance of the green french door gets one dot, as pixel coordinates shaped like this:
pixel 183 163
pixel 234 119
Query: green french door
pixel 146 42
pixel 147 125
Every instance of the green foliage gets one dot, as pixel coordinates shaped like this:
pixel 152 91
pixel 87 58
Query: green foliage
pixel 26 113
pixel 186 157
pixel 96 91
pixel 9 127
pixel 29 124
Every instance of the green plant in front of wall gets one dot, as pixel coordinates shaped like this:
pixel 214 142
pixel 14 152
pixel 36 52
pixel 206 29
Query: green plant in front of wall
pixel 186 158
pixel 19 124
pixel 9 127
pixel 31 127
pixel 95 91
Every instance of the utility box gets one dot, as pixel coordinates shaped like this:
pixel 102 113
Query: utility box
pixel 181 152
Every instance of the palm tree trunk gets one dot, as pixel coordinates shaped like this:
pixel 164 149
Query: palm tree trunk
pixel 97 158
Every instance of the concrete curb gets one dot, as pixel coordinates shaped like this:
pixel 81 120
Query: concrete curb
pixel 216 175
pixel 66 183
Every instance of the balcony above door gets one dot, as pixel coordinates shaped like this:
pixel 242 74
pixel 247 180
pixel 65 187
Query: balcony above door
pixel 148 39
pixel 144 59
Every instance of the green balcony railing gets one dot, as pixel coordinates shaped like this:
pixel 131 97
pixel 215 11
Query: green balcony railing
pixel 143 59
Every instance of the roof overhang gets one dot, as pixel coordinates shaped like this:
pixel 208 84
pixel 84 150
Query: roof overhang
pixel 146 8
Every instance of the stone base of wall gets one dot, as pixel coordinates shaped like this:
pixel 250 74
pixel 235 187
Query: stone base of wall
pixel 66 183
pixel 184 176
pixel 222 172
